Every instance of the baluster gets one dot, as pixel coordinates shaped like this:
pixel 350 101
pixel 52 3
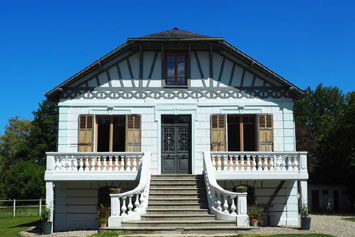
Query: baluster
pixel 283 163
pixel 289 163
pixel 130 205
pixel 105 164
pixel 254 163
pixel 141 199
pixel 295 163
pixel 98 164
pixel 93 165
pixel 57 163
pixel 124 208
pixel 242 165
pixel 248 164
pixel 136 203
pixel 230 162
pixel 76 163
pixel 129 165
pixel 81 164
pixel 233 207
pixel 266 163
pixel 219 162
pixel 259 164
pixel 214 162
pixel 225 205
pixel 218 202
pixel 110 164
pixel 134 168
pixel 225 162
pixel 271 162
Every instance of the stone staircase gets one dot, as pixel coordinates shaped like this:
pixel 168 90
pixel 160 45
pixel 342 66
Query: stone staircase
pixel 178 205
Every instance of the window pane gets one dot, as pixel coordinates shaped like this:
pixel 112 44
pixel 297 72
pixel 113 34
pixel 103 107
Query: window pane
pixel 103 133
pixel 119 130
pixel 171 59
pixel 249 137
pixel 181 69
pixel 233 137
pixel 181 81
pixel 171 70
pixel 180 59
pixel 171 81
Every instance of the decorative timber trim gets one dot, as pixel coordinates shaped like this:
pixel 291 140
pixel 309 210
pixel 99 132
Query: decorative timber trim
pixel 172 93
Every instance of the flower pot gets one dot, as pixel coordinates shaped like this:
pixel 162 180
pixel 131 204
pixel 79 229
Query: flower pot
pixel 254 222
pixel 103 224
pixel 305 223
pixel 47 228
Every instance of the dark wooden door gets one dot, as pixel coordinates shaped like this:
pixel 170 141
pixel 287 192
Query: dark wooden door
pixel 176 144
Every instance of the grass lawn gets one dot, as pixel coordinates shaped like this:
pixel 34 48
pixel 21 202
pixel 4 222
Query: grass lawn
pixel 349 219
pixel 11 226
pixel 20 211
pixel 284 235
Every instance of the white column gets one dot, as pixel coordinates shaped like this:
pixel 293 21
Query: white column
pixel 242 215
pixel 304 192
pixel 50 200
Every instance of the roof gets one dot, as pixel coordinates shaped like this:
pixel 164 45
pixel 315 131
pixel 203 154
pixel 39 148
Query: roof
pixel 175 34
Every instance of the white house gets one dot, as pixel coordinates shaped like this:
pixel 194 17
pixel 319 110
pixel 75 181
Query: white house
pixel 167 107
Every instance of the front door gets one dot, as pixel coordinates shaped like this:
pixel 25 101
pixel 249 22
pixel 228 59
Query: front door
pixel 176 144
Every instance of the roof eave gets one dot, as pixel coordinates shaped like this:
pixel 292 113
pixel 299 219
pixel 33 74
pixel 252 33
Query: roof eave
pixel 176 39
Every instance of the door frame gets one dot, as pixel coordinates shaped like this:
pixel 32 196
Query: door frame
pixel 176 126
pixel 176 109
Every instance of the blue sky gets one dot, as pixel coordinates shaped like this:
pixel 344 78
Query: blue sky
pixel 42 43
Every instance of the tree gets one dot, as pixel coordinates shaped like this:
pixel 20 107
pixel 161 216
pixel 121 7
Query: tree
pixel 24 180
pixel 43 134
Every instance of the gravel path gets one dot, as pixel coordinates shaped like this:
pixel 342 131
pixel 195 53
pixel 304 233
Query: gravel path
pixel 325 224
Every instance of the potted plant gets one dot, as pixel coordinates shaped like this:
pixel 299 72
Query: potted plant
pixel 242 189
pixel 255 216
pixel 115 190
pixel 46 223
pixel 103 215
pixel 305 219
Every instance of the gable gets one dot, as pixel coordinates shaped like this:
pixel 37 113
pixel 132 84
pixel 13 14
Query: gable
pixel 213 72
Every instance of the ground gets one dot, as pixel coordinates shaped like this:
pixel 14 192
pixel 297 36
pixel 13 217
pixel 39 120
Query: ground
pixel 333 225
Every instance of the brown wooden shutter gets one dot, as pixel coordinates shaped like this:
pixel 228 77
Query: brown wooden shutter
pixel 266 137
pixel 133 133
pixel 86 133
pixel 218 133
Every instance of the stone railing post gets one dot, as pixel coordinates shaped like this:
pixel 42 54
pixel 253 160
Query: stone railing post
pixel 242 215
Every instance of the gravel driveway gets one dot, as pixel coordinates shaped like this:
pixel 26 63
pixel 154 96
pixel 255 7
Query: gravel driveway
pixel 325 224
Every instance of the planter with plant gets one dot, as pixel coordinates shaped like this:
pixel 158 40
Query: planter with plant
pixel 115 190
pixel 46 221
pixel 305 219
pixel 241 189
pixel 103 215
pixel 255 216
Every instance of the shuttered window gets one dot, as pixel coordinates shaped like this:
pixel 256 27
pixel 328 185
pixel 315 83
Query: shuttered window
pixel 133 133
pixel 266 137
pixel 86 133
pixel 218 138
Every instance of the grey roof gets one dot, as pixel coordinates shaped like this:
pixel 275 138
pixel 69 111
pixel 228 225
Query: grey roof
pixel 175 33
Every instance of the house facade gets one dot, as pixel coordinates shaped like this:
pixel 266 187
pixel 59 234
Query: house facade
pixel 175 102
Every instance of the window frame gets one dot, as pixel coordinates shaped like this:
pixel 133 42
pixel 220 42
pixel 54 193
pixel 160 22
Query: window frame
pixel 175 54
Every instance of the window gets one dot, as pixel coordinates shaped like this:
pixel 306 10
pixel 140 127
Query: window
pixel 175 69
pixel 242 132
pixel 85 136
pixel 118 133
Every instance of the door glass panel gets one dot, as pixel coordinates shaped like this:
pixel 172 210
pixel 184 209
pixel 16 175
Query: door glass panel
pixel 103 143
pixel 119 135
pixel 249 137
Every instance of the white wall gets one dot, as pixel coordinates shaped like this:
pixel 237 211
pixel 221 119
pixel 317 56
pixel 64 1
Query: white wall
pixel 284 210
pixel 76 203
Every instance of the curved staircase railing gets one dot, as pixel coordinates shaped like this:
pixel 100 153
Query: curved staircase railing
pixel 224 204
pixel 132 204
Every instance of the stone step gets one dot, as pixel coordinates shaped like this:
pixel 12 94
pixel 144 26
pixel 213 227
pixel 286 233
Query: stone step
pixel 178 195
pixel 181 200
pixel 176 177
pixel 175 216
pixel 227 230
pixel 177 205
pixel 175 190
pixel 178 223
pixel 172 185
pixel 175 182
pixel 176 211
